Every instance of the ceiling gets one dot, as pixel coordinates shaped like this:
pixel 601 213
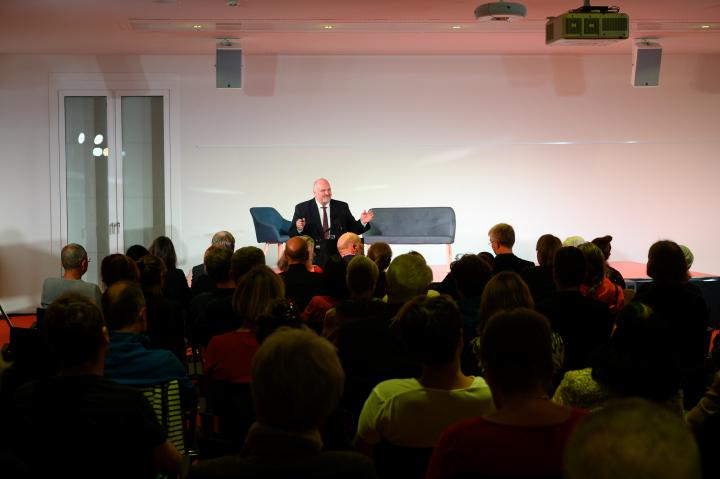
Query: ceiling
pixel 359 27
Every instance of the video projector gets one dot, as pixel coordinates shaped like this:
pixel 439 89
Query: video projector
pixel 587 25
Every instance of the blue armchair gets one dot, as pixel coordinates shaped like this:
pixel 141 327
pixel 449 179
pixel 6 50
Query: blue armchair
pixel 270 227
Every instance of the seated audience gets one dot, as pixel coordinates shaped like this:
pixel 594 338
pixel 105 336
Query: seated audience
pixel 118 267
pixel 79 424
pixel 165 318
pixel 349 245
pixel 229 356
pixel 682 305
pixel 211 312
pixel 704 422
pixel 334 290
pixel 381 254
pixel 632 438
pixel 613 275
pixel 74 261
pixel 540 278
pixel 282 314
pixel 527 434
pixel 597 285
pixel 502 239
pixel 573 241
pixel 296 382
pixel 199 281
pixel 312 267
pixel 129 362
pixel 583 323
pixel 689 257
pixel 413 412
pixel 136 251
pixel 638 360
pixel 300 284
pixel 176 286
pixel 245 259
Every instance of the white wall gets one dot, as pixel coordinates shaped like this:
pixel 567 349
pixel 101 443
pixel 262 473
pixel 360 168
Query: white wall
pixel 484 134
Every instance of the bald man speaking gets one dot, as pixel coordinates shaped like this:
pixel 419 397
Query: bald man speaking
pixel 325 219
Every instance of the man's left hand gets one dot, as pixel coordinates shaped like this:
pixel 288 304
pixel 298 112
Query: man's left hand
pixel 366 217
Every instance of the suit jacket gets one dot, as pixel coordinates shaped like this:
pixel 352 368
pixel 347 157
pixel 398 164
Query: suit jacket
pixel 341 220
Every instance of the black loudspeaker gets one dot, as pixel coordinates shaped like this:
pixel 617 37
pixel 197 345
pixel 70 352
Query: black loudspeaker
pixel 646 64
pixel 228 63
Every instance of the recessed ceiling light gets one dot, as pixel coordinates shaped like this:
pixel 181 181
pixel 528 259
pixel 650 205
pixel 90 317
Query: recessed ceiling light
pixel 81 138
pixel 456 27
pixel 197 27
pixel 97 151
pixel 328 27
pixel 704 27
pixel 106 152
pixel 98 139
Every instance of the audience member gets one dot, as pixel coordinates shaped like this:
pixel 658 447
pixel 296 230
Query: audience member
pixel 431 328
pixel 689 257
pixel 597 285
pixel 573 241
pixel 229 356
pixel 638 360
pixel 282 314
pixel 199 280
pixel 300 284
pixel 381 254
pixel 79 424
pixel 613 275
pixel 527 434
pixel 136 251
pixel 540 278
pixel 704 422
pixel 176 286
pixel 74 261
pixel 165 318
pixel 118 267
pixel 312 267
pixel 296 382
pixel 682 305
pixel 502 239
pixel 211 312
pixel 129 362
pixel 245 259
pixel 632 438
pixel 583 323
pixel 334 288
pixel 349 245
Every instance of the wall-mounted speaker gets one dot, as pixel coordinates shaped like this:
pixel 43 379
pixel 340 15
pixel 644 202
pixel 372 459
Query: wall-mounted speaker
pixel 646 64
pixel 228 64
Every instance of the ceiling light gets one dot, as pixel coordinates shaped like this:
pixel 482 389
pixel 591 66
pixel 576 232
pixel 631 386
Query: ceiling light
pixel 328 27
pixel 81 138
pixel 197 27
pixel 98 139
pixel 500 12
pixel 97 151
pixel 456 27
pixel 106 152
pixel 704 27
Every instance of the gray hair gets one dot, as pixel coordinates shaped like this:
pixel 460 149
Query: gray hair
pixel 72 256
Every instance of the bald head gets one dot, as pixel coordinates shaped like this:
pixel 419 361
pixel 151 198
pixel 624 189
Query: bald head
pixel 349 244
pixel 224 239
pixel 296 250
pixel 73 256
pixel 123 305
pixel 322 191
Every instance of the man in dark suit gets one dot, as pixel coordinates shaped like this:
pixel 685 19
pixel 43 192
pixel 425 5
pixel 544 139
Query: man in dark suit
pixel 325 219
pixel 502 239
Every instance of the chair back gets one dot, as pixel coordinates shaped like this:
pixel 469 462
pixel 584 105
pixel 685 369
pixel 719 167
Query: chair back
pixel 165 401
pixel 392 461
pixel 270 226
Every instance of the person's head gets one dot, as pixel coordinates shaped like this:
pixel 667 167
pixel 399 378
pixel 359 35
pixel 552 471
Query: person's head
pixel 407 277
pixel 152 272
pixel 124 306
pixel 546 247
pixel 569 267
pixel 224 239
pixel 136 252
pixel 245 259
pixel 471 274
pixel 322 191
pixel 75 330
pixel 297 380
pixel 502 235
pixel 573 241
pixel 488 257
pixel 334 281
pixel 689 256
pixel 282 314
pixel 118 267
pixel 594 264
pixel 162 246
pixel 431 328
pixel 74 257
pixel 217 263
pixel 296 251
pixel 505 291
pixel 632 438
pixel 603 243
pixel 349 244
pixel 255 293
pixel 666 263
pixel 310 247
pixel 638 360
pixel 381 253
pixel 361 277
pixel 516 352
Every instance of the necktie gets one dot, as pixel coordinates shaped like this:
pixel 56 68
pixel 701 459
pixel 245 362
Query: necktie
pixel 326 230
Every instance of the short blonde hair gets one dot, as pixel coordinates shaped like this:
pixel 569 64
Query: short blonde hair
pixel 503 233
pixel 297 380
pixel 408 276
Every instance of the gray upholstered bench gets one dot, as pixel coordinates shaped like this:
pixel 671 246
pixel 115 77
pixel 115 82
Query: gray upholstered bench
pixel 430 225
